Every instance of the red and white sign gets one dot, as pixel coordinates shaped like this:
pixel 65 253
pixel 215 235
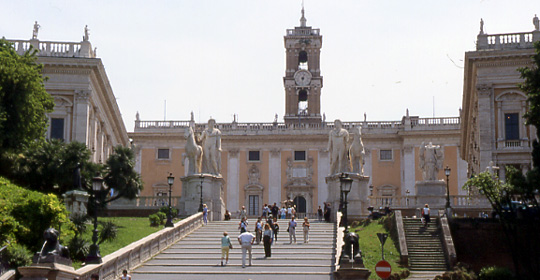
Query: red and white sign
pixel 383 269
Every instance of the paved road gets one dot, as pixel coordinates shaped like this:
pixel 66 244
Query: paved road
pixel 197 256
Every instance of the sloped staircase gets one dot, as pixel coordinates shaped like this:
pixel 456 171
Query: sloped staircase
pixel 197 256
pixel 426 251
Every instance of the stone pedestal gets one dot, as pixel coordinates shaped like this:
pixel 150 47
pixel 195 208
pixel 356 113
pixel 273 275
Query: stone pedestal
pixel 76 202
pixel 431 192
pixel 357 198
pixel 357 273
pixel 46 271
pixel 212 193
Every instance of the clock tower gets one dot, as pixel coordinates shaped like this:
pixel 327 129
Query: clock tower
pixel 303 80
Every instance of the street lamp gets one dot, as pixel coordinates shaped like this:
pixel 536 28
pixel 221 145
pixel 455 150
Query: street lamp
pixel 170 180
pixel 94 256
pixel 345 188
pixel 447 173
pixel 200 202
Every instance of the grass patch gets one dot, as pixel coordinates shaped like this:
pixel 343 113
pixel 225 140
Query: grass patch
pixel 371 248
pixel 130 229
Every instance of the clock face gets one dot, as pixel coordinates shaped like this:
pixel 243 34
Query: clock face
pixel 302 78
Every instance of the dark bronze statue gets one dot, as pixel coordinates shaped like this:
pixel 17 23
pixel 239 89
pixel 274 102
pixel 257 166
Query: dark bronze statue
pixel 52 249
pixel 351 249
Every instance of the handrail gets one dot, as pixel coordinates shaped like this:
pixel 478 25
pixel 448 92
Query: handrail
pixel 140 251
pixel 403 250
pixel 447 241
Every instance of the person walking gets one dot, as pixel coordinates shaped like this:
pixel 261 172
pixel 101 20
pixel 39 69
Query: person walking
pixel 258 231
pixel 305 226
pixel 246 240
pixel 205 214
pixel 327 213
pixel 267 241
pixel 243 213
pixel 291 230
pixel 276 228
pixel 275 210
pixel 320 214
pixel 125 275
pixel 283 212
pixel 243 225
pixel 425 215
pixel 289 212
pixel 265 210
pixel 226 245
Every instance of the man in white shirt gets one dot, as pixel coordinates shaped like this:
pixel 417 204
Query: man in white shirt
pixel 246 239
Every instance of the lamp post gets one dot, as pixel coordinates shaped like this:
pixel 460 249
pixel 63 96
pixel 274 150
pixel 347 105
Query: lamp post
pixel 170 180
pixel 94 256
pixel 345 187
pixel 200 202
pixel 447 173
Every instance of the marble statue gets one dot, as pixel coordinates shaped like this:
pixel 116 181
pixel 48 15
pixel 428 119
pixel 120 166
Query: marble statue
pixel 431 161
pixel 337 146
pixel 357 152
pixel 536 23
pixel 193 152
pixel 492 169
pixel 86 36
pixel 481 26
pixel 211 142
pixel 36 30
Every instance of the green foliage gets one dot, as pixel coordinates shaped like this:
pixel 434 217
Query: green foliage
pixel 162 216
pixel 165 209
pixel 495 273
pixel 459 272
pixel 23 99
pixel 18 255
pixel 26 214
pixel 496 191
pixel 531 86
pixel 155 220
pixel 109 231
pixel 79 248
pixel 49 166
pixel 121 174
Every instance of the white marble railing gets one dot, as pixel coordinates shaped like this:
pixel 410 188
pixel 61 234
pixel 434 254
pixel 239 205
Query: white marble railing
pixel 140 251
pixel 458 201
pixel 507 41
pixel 55 49
pixel 303 32
pixel 234 126
pixel 144 202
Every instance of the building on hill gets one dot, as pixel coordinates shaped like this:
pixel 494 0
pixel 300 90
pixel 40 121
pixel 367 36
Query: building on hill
pixel 266 163
pixel 85 107
pixel 493 130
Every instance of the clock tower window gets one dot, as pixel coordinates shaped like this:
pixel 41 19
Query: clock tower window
pixel 302 102
pixel 303 60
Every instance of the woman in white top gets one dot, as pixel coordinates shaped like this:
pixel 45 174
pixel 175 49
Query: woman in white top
pixel 425 215
pixel 305 226
pixel 125 276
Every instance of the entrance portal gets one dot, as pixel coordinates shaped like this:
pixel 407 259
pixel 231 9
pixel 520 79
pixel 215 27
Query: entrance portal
pixel 300 203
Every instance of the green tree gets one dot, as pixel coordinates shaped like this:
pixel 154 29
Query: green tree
pixel 121 174
pixel 23 100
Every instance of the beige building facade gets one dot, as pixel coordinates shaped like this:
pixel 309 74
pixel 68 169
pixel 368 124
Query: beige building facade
pixel 85 107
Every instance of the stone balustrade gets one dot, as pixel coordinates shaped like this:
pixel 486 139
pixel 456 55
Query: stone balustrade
pixel 303 32
pixel 140 251
pixel 55 49
pixel 521 40
pixel 412 202
pixel 225 128
pixel 144 202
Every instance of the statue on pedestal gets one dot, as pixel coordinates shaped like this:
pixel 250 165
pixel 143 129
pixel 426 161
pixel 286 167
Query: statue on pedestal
pixel 338 138
pixel 357 152
pixel 35 31
pixel 431 161
pixel 211 141
pixel 193 152
pixel 86 36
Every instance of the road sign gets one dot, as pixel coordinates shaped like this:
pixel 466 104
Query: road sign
pixel 382 237
pixel 383 269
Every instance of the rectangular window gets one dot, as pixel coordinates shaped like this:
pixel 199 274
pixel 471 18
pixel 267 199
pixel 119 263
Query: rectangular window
pixel 511 125
pixel 163 153
pixel 57 128
pixel 299 155
pixel 254 156
pixel 253 209
pixel 385 155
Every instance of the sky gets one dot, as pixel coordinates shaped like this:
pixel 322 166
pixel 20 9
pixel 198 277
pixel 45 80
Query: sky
pixel 165 59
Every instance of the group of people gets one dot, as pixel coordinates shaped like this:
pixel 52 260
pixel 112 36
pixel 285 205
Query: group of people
pixel 265 230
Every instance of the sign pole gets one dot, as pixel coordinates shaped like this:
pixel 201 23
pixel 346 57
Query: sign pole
pixel 382 239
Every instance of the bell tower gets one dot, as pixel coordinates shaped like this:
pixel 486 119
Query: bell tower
pixel 303 80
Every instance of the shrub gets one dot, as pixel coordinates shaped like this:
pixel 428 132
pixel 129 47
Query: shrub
pixel 495 273
pixel 18 255
pixel 165 209
pixel 461 271
pixel 109 231
pixel 78 248
pixel 162 216
pixel 155 220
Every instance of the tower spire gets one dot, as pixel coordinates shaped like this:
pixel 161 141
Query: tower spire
pixel 302 19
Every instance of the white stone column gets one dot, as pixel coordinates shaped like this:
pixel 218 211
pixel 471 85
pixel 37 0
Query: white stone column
pixel 233 181
pixel 274 174
pixel 409 171
pixel 500 134
pixel 461 173
pixel 368 166
pixel 323 169
pixel 80 116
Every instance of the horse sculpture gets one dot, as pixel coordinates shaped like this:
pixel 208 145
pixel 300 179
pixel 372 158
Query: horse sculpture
pixel 357 152
pixel 193 152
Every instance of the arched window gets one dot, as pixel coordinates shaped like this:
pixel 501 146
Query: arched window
pixel 303 60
